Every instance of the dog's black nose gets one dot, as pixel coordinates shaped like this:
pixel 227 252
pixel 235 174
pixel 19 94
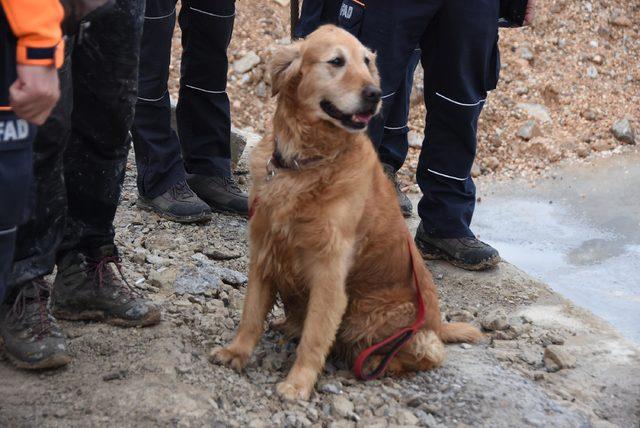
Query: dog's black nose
pixel 371 94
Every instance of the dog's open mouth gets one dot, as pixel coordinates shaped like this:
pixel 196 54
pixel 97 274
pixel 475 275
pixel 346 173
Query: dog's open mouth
pixel 358 120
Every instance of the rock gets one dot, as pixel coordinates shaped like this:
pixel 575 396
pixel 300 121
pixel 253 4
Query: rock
pixel 460 316
pixel 406 418
pixel 618 19
pixel 415 139
pixel 542 148
pixel 557 356
pixel 261 89
pixel 529 130
pixel 538 112
pixel 623 131
pixel 475 171
pixel 590 115
pixel 592 72
pixel 583 150
pixel 372 422
pixel 205 277
pixel 491 162
pixel 600 146
pixel 120 374
pixel 214 254
pixel 282 2
pixel 156 260
pixel 163 277
pixel 525 53
pixel 495 320
pixel 331 388
pixel 342 407
pixel 246 63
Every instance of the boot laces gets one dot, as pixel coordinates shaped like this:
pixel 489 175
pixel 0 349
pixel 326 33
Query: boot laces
pixel 19 310
pixel 103 273
pixel 181 190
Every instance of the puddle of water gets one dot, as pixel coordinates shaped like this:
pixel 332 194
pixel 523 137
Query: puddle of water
pixel 591 267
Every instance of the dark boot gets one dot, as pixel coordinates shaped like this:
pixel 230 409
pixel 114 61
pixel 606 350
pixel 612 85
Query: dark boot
pixel 221 193
pixel 467 253
pixel 405 204
pixel 179 204
pixel 91 287
pixel 32 339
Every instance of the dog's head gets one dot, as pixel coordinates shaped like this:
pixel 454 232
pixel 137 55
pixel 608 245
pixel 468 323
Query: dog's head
pixel 331 76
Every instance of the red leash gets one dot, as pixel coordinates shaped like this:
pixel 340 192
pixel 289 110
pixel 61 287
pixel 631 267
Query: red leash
pixel 397 340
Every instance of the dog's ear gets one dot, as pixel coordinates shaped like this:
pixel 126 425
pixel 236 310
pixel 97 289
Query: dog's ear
pixel 285 65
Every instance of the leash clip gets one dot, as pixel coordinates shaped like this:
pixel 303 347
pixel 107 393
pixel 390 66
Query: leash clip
pixel 271 170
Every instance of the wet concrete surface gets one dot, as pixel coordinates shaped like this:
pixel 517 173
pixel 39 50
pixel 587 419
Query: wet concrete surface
pixel 578 230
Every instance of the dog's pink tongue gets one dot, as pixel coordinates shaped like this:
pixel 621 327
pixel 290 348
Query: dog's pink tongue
pixel 361 117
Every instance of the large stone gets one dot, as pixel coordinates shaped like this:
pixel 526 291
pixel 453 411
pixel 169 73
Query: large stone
pixel 623 131
pixel 163 277
pixel 246 63
pixel 538 112
pixel 206 277
pixel 495 320
pixel 557 358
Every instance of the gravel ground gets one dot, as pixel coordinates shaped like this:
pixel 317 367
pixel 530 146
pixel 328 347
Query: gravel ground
pixel 544 363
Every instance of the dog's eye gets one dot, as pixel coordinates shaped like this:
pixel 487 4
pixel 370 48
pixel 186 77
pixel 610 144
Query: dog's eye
pixel 337 61
pixel 367 61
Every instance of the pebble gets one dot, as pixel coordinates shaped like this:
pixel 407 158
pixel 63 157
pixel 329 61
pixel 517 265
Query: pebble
pixel 246 63
pixel 341 406
pixel 592 72
pixel 529 130
pixel 495 320
pixel 415 139
pixel 406 418
pixel 538 112
pixel 623 131
pixel 460 316
pixel 331 388
pixel 491 162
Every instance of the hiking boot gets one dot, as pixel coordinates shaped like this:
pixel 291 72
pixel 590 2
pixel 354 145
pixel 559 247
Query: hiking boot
pixel 405 203
pixel 91 287
pixel 32 339
pixel 221 193
pixel 179 204
pixel 467 253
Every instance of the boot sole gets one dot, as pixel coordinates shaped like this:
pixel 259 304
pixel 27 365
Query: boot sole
pixel 225 210
pixel 429 252
pixel 151 319
pixel 198 218
pixel 52 362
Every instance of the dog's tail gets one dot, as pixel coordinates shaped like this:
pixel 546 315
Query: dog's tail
pixel 459 332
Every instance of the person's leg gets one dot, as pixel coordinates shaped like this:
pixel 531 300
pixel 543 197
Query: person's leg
pixel 16 168
pixel 30 336
pixel 315 13
pixel 105 69
pixel 454 105
pixel 161 177
pixel 395 145
pixel 203 115
pixel 155 143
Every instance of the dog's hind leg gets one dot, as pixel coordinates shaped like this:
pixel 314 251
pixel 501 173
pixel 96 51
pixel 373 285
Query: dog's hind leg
pixel 258 301
pixel 327 304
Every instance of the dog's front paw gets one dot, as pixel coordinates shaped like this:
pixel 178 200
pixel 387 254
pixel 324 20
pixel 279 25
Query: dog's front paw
pixel 230 357
pixel 291 392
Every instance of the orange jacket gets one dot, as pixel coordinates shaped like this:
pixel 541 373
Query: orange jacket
pixel 37 26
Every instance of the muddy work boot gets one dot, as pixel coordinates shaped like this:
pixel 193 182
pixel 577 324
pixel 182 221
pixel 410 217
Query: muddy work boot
pixel 179 204
pixel 221 193
pixel 92 288
pixel 32 339
pixel 405 204
pixel 466 253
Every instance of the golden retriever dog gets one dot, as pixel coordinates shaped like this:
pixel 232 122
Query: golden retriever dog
pixel 327 234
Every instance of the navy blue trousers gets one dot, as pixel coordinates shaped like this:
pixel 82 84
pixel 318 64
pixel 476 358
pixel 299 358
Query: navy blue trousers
pixel 16 186
pixel 201 145
pixel 459 54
